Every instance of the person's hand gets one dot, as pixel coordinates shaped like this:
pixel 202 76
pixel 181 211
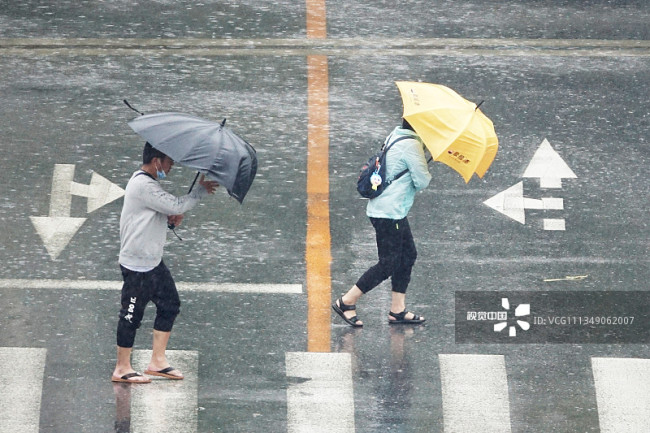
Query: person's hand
pixel 209 185
pixel 175 220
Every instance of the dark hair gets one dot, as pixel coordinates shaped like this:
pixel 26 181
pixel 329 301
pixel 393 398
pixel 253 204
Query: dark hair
pixel 150 153
pixel 406 125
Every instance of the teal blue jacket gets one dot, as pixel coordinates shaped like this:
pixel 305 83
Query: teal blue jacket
pixel 396 200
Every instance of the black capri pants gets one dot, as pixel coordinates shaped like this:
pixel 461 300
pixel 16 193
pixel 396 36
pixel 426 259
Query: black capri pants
pixel 397 255
pixel 138 289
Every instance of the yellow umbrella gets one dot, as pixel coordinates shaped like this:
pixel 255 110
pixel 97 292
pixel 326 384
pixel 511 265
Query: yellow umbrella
pixel 454 130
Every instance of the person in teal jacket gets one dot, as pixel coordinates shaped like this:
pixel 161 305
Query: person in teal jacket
pixel 395 245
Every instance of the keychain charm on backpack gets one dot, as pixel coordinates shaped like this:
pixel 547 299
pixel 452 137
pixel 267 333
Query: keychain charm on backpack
pixel 370 182
pixel 375 179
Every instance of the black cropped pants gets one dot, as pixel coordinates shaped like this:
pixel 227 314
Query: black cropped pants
pixel 397 255
pixel 138 289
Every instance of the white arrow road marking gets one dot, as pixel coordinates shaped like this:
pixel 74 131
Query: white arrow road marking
pixel 61 199
pixel 100 192
pixel 510 202
pixel 21 390
pixel 166 405
pixel 474 393
pixel 56 232
pixel 513 204
pixel 622 394
pixel 554 224
pixel 549 167
pixel 552 203
pixel 57 229
pixel 323 399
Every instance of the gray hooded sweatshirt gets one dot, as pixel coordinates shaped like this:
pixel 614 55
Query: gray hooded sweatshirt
pixel 143 223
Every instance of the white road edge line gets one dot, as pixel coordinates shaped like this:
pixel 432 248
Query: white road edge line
pixel 320 397
pixel 204 47
pixel 117 285
pixel 20 392
pixel 474 393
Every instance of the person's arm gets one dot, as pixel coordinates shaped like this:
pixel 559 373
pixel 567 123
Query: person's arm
pixel 417 164
pixel 153 196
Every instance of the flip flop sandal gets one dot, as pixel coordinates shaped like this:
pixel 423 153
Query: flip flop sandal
pixel 400 318
pixel 341 308
pixel 128 378
pixel 164 373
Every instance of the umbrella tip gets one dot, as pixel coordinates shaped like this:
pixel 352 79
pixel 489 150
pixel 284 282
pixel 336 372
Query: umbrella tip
pixel 131 107
pixel 479 104
pixel 223 123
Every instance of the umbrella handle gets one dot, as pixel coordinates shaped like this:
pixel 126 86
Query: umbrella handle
pixel 193 183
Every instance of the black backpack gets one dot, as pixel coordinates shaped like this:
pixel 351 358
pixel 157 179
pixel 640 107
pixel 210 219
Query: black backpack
pixel 375 169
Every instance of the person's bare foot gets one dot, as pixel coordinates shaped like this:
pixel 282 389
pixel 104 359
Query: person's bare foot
pixel 166 372
pixel 405 317
pixel 131 376
pixel 347 312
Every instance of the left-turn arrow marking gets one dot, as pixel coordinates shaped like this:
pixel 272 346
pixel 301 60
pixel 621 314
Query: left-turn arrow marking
pixel 510 202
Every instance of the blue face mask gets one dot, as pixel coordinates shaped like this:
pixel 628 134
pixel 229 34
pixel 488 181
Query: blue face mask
pixel 160 173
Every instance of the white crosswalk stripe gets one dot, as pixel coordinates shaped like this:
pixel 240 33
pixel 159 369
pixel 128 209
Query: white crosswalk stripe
pixel 166 405
pixel 474 393
pixel 320 389
pixel 20 394
pixel 622 394
pixel 321 398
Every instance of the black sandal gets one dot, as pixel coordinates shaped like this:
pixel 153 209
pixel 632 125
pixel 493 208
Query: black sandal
pixel 341 308
pixel 400 318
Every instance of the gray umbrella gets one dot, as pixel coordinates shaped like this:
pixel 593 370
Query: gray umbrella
pixel 208 147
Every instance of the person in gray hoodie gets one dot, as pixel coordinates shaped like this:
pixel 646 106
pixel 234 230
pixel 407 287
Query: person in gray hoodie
pixel 388 215
pixel 146 213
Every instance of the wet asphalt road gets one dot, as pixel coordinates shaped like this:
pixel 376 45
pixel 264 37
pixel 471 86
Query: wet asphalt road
pixel 67 109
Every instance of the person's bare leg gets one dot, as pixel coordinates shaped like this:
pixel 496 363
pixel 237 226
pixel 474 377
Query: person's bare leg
pixel 158 357
pixel 351 298
pixel 123 365
pixel 398 304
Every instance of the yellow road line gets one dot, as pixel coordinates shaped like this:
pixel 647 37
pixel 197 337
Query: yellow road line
pixel 316 19
pixel 318 242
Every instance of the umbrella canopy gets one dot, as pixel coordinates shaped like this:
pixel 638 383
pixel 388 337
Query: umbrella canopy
pixel 208 147
pixel 454 130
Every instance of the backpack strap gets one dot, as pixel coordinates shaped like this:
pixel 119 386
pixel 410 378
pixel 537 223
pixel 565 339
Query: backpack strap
pixel 142 172
pixel 386 147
